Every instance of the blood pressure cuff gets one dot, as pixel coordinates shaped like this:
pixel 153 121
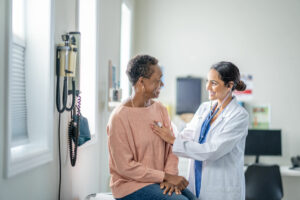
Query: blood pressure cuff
pixel 84 131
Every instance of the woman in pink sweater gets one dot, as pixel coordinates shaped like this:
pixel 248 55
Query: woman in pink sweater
pixel 141 163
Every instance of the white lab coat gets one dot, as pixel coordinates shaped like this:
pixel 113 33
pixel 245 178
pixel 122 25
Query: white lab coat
pixel 222 153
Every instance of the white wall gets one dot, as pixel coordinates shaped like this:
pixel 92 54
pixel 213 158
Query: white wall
pixel 260 37
pixel 109 49
pixel 90 174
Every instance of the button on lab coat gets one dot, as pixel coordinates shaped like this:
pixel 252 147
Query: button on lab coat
pixel 222 153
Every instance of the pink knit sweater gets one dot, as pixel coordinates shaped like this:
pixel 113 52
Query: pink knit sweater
pixel 138 157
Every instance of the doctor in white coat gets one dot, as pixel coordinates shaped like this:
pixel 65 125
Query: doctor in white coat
pixel 214 140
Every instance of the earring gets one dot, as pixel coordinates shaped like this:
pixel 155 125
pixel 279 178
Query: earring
pixel 143 89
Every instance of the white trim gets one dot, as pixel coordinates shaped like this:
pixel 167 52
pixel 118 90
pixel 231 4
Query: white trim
pixel 113 104
pixel 124 82
pixel 35 156
pixel 94 137
pixel 77 9
pixel 32 154
pixel 92 141
pixel 8 42
pixel 129 4
pixel 18 40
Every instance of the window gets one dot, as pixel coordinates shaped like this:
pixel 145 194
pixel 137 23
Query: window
pixel 87 28
pixel 18 94
pixel 18 19
pixel 30 85
pixel 125 47
pixel 18 77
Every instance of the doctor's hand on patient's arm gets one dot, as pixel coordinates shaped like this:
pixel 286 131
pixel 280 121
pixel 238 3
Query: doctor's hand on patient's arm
pixel 163 132
pixel 178 181
pixel 169 188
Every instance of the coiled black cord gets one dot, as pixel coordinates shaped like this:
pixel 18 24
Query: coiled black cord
pixel 74 127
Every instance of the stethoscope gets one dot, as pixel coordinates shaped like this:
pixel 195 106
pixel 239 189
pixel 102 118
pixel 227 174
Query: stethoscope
pixel 213 110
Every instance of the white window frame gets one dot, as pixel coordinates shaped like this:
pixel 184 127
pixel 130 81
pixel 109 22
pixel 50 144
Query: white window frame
pixel 125 40
pixel 94 135
pixel 38 149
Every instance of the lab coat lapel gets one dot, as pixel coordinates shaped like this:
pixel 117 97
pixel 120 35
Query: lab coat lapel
pixel 203 115
pixel 201 119
pixel 215 123
pixel 225 113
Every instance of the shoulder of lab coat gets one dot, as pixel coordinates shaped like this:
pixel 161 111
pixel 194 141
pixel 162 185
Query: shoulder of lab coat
pixel 235 127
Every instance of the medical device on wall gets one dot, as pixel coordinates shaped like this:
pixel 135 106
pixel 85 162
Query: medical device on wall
pixel 68 69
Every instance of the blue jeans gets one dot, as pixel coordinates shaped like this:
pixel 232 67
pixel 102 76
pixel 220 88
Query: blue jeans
pixel 153 192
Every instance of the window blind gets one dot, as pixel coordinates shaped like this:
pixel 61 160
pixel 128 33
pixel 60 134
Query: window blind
pixel 18 110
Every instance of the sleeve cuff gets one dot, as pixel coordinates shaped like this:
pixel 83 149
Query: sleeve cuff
pixel 177 146
pixel 156 176
pixel 173 172
pixel 160 176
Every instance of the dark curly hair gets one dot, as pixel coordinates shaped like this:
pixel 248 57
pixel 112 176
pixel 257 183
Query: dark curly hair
pixel 229 72
pixel 140 66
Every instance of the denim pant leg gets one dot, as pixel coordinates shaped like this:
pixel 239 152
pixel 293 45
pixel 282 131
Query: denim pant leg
pixel 153 192
pixel 187 193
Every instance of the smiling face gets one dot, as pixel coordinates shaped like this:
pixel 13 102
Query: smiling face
pixel 153 83
pixel 216 88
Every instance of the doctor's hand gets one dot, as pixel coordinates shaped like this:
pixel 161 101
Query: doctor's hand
pixel 169 188
pixel 178 181
pixel 163 132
